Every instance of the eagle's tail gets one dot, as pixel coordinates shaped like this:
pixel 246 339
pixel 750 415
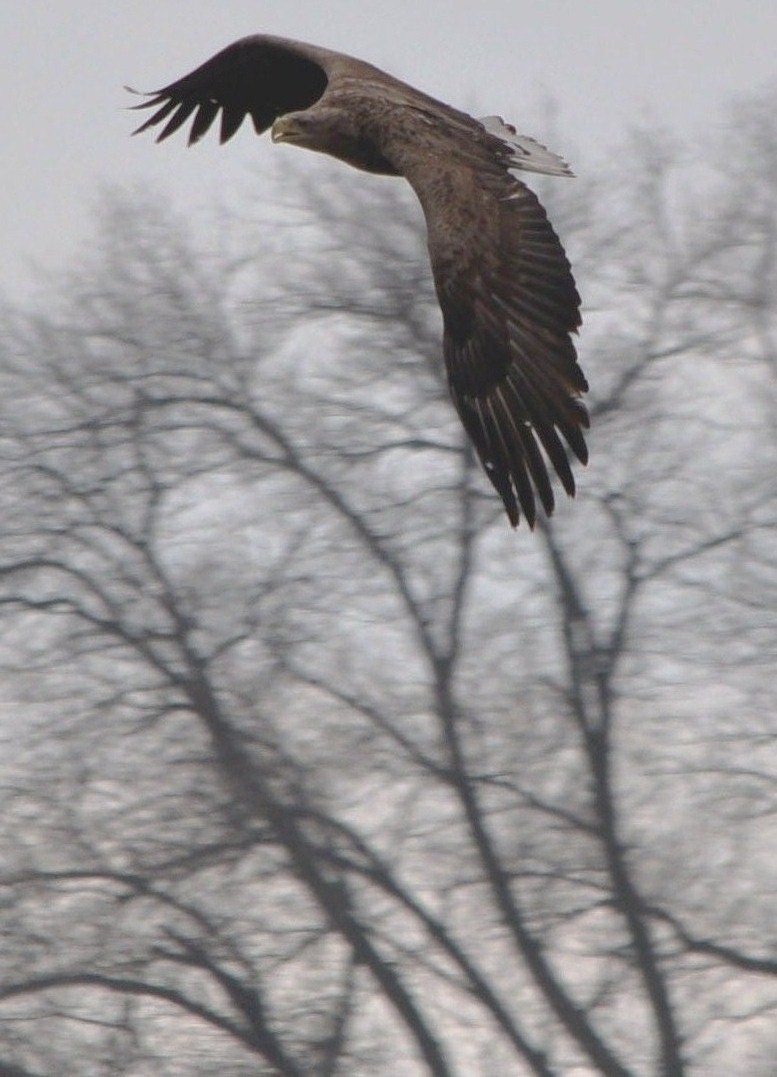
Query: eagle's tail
pixel 524 154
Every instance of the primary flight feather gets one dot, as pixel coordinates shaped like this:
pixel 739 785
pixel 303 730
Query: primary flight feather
pixel 505 287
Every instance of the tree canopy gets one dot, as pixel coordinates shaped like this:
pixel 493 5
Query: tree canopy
pixel 311 765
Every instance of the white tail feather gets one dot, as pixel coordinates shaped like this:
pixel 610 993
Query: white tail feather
pixel 526 154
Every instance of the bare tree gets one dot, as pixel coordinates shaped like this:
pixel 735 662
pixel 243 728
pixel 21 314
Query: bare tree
pixel 313 766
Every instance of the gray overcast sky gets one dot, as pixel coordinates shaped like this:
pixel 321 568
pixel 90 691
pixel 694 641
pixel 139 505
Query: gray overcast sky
pixel 607 63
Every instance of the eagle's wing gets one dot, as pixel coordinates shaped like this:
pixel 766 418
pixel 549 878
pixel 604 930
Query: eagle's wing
pixel 260 76
pixel 509 306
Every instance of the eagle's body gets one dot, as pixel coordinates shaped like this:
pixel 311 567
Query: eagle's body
pixel 506 291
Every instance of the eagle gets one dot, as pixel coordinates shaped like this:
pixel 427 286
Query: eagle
pixel 505 287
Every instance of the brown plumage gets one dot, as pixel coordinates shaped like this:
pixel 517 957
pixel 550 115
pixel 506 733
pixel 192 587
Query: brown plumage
pixel 505 287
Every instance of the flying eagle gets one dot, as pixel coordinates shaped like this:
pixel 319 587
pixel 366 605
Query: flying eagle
pixel 505 287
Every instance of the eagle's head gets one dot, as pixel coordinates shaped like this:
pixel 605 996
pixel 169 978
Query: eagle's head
pixel 326 129
pixel 306 129
pixel 335 131
pixel 288 128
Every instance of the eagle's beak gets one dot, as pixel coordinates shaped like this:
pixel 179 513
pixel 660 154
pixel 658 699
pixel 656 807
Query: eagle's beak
pixel 283 129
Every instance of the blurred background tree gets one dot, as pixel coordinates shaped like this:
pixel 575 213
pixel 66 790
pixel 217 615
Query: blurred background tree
pixel 312 766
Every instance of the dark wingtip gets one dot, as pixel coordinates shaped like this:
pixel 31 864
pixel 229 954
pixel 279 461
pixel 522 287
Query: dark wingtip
pixel 153 97
pixel 516 517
